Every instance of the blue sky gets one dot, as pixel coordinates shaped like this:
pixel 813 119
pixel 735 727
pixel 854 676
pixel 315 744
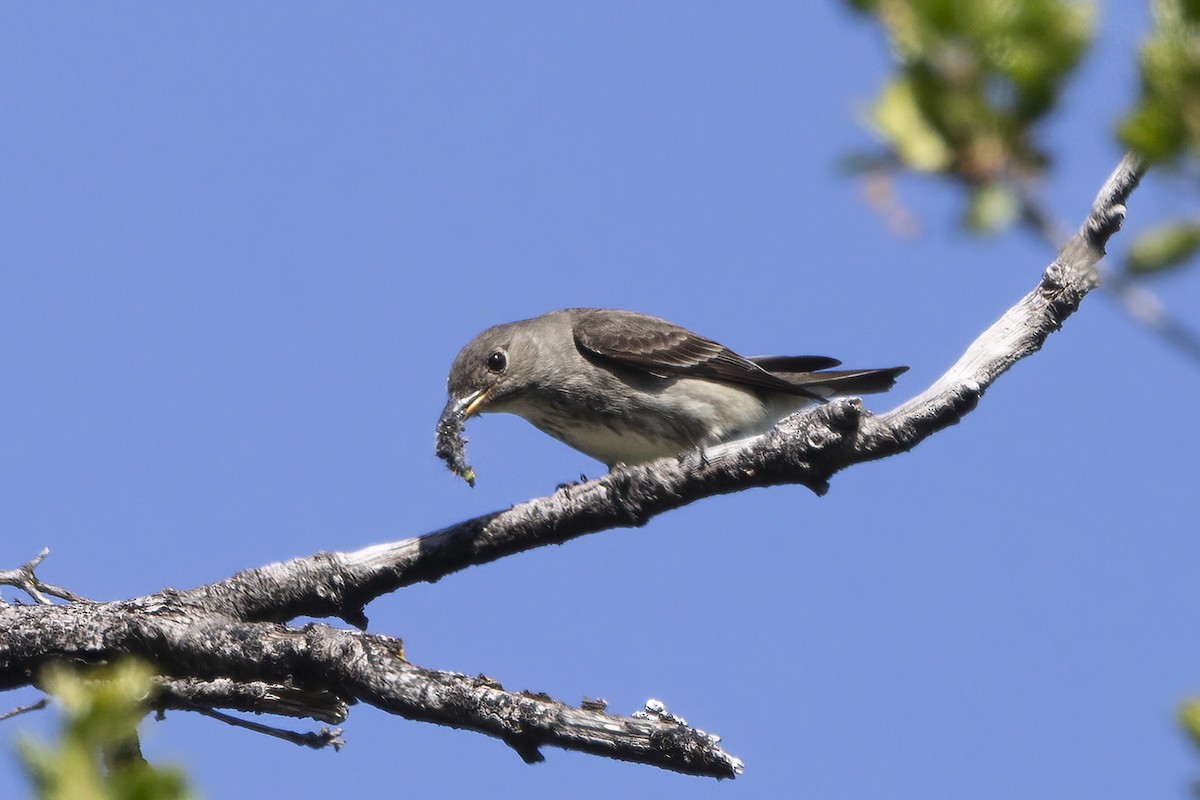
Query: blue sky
pixel 243 244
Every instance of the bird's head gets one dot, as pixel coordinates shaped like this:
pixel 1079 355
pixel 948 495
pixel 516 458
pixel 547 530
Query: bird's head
pixel 489 374
pixel 482 379
pixel 491 371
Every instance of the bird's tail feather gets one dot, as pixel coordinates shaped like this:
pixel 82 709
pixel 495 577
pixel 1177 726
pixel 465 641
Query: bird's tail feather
pixel 847 381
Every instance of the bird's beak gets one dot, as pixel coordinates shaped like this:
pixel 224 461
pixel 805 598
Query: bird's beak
pixel 460 409
pixel 471 404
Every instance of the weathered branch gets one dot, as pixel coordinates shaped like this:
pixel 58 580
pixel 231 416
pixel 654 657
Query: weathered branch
pixel 1133 297
pixel 233 630
pixel 182 641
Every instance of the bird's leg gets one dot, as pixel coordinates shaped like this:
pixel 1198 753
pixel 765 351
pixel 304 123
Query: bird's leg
pixel 582 479
pixel 700 453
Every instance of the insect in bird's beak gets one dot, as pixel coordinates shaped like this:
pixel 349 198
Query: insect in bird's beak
pixel 451 447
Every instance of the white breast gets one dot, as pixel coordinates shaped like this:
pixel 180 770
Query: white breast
pixel 678 416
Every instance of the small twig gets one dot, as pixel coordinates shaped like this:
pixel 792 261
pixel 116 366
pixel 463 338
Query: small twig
pixel 38 706
pixel 1145 307
pixel 879 194
pixel 23 578
pixel 317 740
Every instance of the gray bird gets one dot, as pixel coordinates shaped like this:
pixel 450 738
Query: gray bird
pixel 626 388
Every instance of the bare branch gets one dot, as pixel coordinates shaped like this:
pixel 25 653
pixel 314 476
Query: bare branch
pixel 1140 303
pixel 23 578
pixel 182 641
pixel 38 706
pixel 1020 332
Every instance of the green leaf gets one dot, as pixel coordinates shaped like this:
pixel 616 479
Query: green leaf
pixel 899 120
pixel 990 208
pixel 1189 718
pixel 1163 247
pixel 1165 124
pixel 1154 130
pixel 862 6
pixel 971 81
pixel 101 711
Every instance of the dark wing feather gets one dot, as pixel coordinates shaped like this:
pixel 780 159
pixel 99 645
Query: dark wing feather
pixel 795 363
pixel 659 348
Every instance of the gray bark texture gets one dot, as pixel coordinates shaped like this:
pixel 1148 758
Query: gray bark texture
pixel 229 644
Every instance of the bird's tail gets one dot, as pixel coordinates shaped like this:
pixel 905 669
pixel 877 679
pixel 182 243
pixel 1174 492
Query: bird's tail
pixel 845 381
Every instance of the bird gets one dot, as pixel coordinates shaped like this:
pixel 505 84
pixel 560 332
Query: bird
pixel 627 388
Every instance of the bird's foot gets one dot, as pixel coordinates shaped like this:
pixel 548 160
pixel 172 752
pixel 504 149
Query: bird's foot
pixel 700 454
pixel 582 479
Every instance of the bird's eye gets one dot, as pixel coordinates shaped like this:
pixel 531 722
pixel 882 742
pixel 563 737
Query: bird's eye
pixel 497 361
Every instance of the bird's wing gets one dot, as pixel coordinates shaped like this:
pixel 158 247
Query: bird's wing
pixel 659 348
